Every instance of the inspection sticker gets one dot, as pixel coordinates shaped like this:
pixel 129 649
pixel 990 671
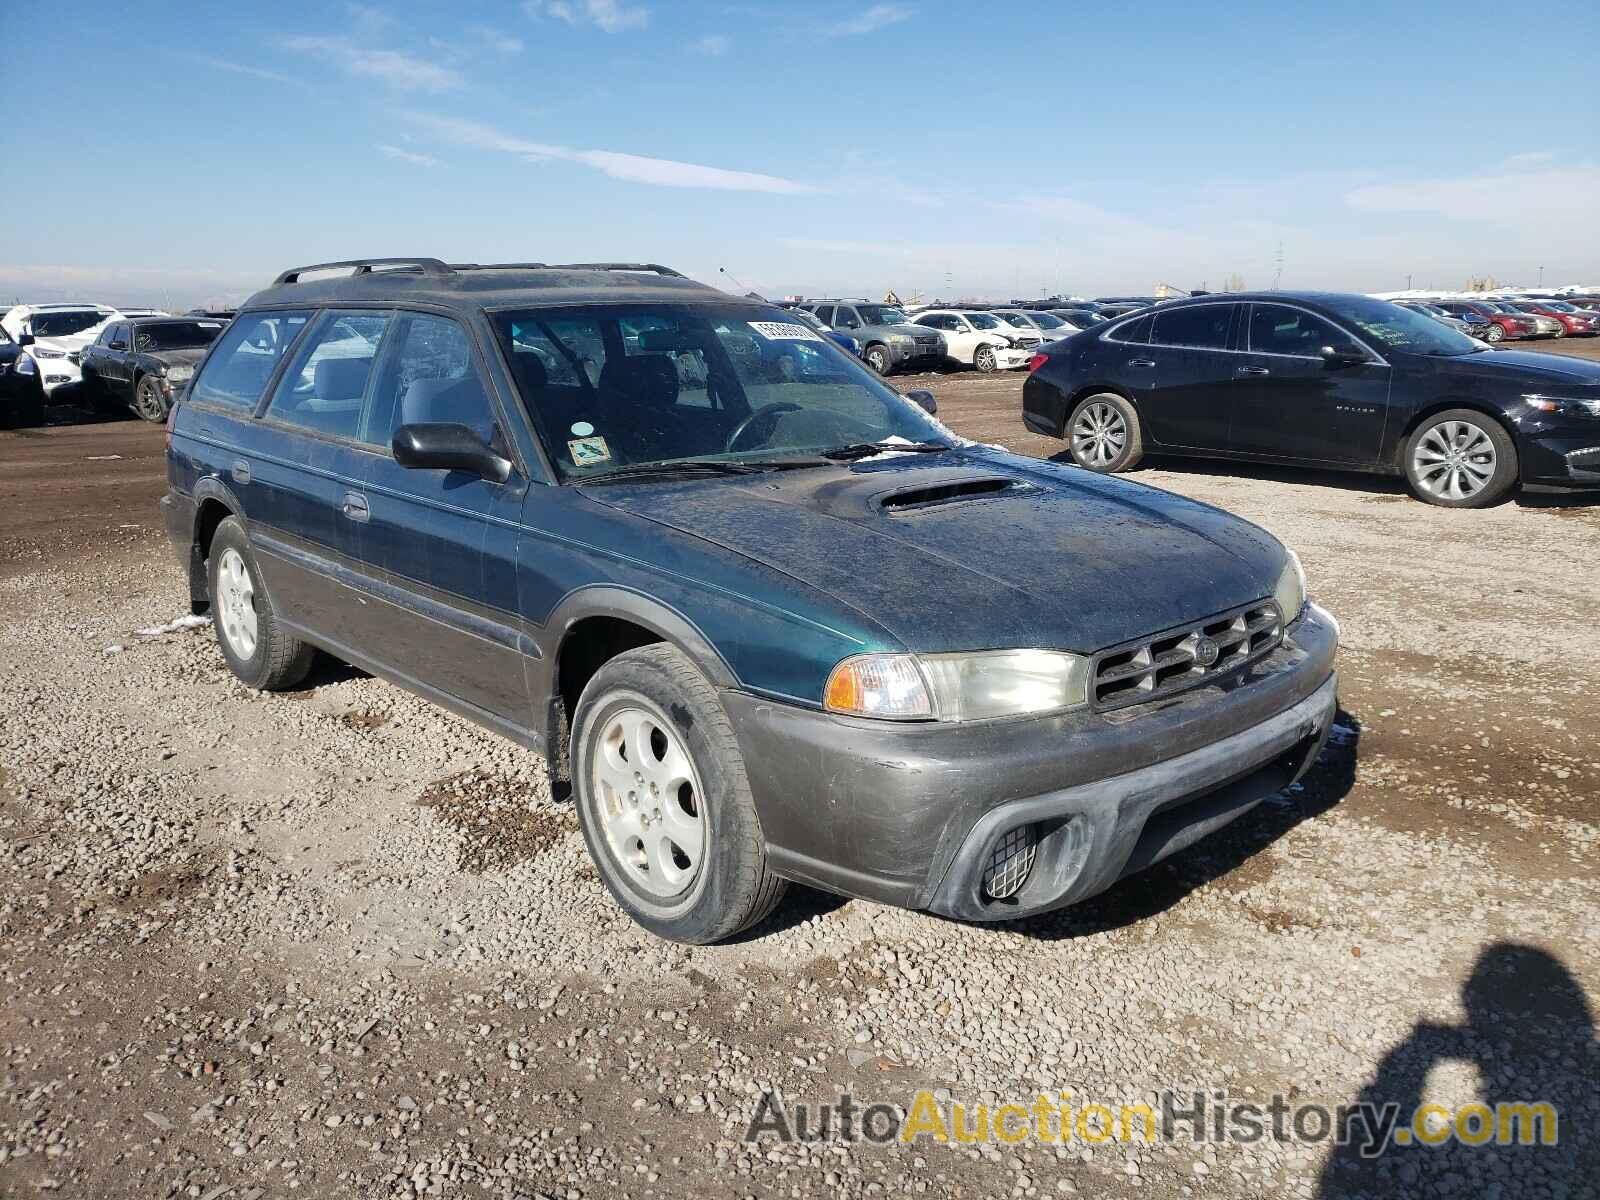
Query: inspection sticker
pixel 782 331
pixel 586 452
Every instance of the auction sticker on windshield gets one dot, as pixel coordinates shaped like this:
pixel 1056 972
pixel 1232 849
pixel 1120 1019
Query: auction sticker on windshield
pixel 782 331
pixel 586 452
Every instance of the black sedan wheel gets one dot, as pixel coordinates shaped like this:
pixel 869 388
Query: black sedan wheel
pixel 1103 434
pixel 1461 459
pixel 150 399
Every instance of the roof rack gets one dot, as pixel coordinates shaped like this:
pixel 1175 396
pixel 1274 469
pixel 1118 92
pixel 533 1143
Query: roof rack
pixel 364 266
pixel 516 266
pixel 652 268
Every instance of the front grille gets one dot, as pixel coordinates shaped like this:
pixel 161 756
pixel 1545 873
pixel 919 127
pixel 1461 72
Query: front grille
pixel 1176 660
pixel 1027 343
pixel 928 343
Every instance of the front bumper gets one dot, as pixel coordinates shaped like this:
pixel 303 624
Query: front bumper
pixel 908 814
pixel 57 373
pixel 1010 360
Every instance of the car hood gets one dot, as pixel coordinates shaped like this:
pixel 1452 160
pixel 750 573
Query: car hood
pixel 910 330
pixel 977 549
pixel 177 358
pixel 1523 367
pixel 67 341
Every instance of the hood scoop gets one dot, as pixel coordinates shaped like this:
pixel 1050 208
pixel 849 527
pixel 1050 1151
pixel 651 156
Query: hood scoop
pixel 933 495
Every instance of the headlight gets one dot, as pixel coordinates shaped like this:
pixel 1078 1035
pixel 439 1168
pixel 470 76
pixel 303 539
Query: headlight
pixel 179 374
pixel 958 687
pixel 46 352
pixel 901 339
pixel 1291 590
pixel 1565 406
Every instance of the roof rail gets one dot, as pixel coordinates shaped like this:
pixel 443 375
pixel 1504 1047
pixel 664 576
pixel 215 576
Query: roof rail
pixel 516 266
pixel 365 266
pixel 652 268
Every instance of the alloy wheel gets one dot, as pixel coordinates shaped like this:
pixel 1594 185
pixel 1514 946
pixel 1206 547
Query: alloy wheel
pixel 236 598
pixel 1099 435
pixel 147 401
pixel 647 796
pixel 1454 460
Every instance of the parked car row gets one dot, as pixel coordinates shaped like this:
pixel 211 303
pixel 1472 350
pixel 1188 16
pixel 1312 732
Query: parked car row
pixel 125 356
pixel 1508 317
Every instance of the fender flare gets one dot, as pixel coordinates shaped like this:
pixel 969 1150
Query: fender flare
pixel 626 604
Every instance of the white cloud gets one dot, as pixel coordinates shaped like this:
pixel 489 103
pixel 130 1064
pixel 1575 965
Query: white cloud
pixel 404 71
pixel 408 156
pixel 634 168
pixel 223 64
pixel 1515 198
pixel 494 39
pixel 875 18
pixel 609 15
pixel 713 44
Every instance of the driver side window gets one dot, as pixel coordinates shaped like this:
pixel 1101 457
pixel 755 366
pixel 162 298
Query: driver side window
pixel 1277 329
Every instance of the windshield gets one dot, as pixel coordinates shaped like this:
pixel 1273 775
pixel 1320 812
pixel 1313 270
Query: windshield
pixel 1559 306
pixel 1399 328
pixel 882 314
pixel 65 324
pixel 807 318
pixel 983 321
pixel 624 385
pixel 1046 321
pixel 176 335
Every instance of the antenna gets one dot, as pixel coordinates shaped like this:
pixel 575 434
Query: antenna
pixel 732 276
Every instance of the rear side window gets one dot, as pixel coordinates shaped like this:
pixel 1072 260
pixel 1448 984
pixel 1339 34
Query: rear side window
pixel 246 355
pixel 429 378
pixel 1135 332
pixel 1204 327
pixel 325 388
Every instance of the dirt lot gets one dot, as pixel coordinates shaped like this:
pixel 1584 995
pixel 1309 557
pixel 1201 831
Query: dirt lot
pixel 337 943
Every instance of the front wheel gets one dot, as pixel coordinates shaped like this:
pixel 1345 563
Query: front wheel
pixel 1461 459
pixel 1494 334
pixel 664 801
pixel 149 401
pixel 877 357
pixel 984 359
pixel 258 652
pixel 1103 434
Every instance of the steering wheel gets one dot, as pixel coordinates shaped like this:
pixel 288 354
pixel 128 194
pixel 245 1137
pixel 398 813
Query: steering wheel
pixel 766 410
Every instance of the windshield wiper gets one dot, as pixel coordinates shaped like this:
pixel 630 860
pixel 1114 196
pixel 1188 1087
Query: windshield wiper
pixel 868 449
pixel 705 466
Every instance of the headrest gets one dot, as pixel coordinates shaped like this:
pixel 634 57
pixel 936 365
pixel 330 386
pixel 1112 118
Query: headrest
pixel 342 378
pixel 643 379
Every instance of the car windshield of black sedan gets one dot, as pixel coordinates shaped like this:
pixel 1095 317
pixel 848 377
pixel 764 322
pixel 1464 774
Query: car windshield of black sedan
pixel 176 335
pixel 1403 329
pixel 620 386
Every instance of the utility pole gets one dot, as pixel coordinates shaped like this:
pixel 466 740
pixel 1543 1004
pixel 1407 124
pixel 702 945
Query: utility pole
pixel 1277 276
pixel 1541 276
pixel 1408 281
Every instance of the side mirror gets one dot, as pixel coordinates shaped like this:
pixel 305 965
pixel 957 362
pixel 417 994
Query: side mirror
pixel 1343 355
pixel 924 400
pixel 448 448
pixel 24 339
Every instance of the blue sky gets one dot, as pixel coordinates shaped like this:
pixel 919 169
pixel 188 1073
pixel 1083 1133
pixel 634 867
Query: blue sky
pixel 188 152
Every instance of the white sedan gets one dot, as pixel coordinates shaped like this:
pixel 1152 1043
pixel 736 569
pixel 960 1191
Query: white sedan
pixel 976 338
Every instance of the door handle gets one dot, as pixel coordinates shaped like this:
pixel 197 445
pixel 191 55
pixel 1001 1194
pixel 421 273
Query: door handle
pixel 1141 362
pixel 1244 371
pixel 241 471
pixel 355 507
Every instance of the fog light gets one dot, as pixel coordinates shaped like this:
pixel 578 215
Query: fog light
pixel 1010 862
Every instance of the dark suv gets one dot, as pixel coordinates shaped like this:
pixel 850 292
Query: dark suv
pixel 767 616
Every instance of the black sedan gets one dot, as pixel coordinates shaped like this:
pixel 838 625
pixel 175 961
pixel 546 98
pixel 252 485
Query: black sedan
pixel 1320 379
pixel 21 394
pixel 145 363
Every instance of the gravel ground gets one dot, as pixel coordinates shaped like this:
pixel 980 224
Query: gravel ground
pixel 339 943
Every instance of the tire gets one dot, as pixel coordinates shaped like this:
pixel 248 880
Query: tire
pixel 148 399
pixel 1103 434
pixel 876 357
pixel 1494 333
pixel 270 659
pixel 984 360
pixel 651 705
pixel 1561 332
pixel 1461 458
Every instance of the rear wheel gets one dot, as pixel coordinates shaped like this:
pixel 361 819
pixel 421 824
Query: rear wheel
pixel 1103 434
pixel 1461 459
pixel 877 357
pixel 664 802
pixel 149 401
pixel 258 652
